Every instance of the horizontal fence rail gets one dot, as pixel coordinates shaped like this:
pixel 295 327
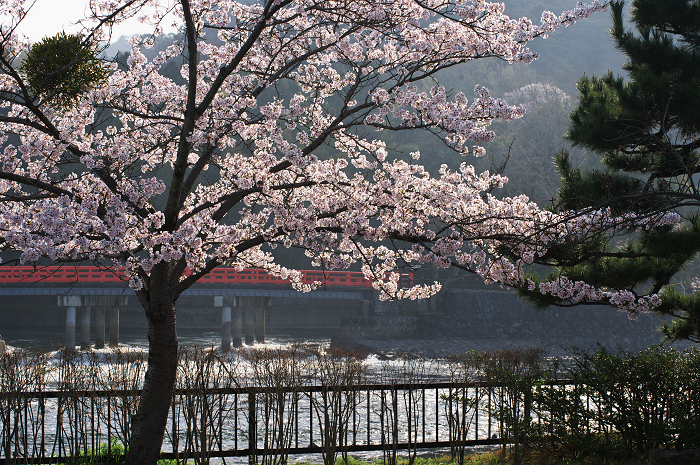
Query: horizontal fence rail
pixel 255 422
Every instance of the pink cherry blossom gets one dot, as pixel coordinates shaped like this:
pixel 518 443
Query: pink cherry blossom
pixel 274 141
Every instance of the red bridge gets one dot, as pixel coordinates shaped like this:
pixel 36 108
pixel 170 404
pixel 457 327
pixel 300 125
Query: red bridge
pixel 221 276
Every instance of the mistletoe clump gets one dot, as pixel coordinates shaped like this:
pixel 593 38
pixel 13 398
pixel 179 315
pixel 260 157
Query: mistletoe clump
pixel 62 67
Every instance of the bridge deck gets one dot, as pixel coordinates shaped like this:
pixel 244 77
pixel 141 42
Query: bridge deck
pixel 317 294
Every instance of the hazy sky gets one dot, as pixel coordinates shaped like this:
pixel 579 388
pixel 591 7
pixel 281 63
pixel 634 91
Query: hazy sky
pixel 47 17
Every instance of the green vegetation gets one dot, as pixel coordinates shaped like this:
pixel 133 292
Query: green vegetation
pixel 61 67
pixel 502 458
pixel 486 458
pixel 645 130
pixel 480 458
pixel 108 454
pixel 636 402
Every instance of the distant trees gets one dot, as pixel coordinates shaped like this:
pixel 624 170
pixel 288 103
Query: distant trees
pixel 527 145
pixel 646 131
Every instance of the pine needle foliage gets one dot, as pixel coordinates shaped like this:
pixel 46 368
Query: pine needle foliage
pixel 645 129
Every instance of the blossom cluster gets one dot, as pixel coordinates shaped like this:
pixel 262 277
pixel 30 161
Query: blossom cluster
pixel 550 21
pixel 226 168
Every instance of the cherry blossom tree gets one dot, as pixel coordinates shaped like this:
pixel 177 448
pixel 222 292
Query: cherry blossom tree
pixel 273 141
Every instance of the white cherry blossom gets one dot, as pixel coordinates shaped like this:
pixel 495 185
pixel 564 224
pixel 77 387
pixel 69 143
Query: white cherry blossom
pixel 274 141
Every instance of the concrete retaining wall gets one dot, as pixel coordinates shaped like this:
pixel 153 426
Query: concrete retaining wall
pixel 489 318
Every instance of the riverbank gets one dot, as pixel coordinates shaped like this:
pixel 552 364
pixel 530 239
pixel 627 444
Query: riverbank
pixel 487 318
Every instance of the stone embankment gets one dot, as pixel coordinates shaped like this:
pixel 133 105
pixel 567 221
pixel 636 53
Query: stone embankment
pixel 488 318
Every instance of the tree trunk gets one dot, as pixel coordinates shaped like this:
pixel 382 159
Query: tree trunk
pixel 148 425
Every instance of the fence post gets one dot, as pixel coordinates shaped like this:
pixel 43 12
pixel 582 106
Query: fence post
pixel 252 429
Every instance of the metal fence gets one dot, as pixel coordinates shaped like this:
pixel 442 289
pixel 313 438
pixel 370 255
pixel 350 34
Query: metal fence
pixel 57 426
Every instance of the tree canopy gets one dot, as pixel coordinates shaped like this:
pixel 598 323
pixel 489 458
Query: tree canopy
pixel 268 141
pixel 645 128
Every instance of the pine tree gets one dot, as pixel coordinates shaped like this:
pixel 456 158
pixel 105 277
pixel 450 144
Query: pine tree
pixel 645 128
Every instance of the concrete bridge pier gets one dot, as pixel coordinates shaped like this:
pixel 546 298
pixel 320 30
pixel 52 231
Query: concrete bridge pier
pixel 70 326
pixel 99 328
pixel 249 321
pixel 226 303
pixel 237 326
pixel 85 328
pixel 260 324
pixel 252 311
pixel 71 302
pixel 100 303
pixel 226 329
pixel 114 327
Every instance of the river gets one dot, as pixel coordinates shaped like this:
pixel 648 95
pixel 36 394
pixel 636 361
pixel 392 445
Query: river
pixel 49 340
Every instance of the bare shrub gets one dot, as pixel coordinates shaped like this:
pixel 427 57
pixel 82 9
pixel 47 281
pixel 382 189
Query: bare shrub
pixel 399 410
pixel 388 410
pixel 464 402
pixel 277 373
pixel 122 371
pixel 513 374
pixel 77 375
pixel 417 373
pixel 339 372
pixel 202 405
pixel 21 417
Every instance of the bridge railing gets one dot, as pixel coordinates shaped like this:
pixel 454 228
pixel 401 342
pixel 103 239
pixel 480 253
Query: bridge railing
pixel 221 275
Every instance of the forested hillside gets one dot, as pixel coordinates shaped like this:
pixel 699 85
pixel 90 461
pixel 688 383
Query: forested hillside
pixel 547 87
pixel 522 149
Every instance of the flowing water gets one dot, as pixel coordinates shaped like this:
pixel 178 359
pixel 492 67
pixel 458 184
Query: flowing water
pixel 46 340
pixel 378 369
